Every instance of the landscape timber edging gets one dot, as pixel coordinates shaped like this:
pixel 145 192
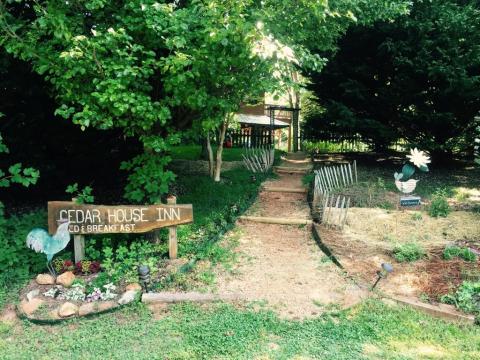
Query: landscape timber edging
pixel 176 297
pixel 442 311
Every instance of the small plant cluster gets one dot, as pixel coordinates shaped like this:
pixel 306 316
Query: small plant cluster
pixel 108 293
pixel 79 292
pixel 466 298
pixel 408 252
pixel 87 267
pixel 81 267
pixel 464 253
pixel 439 205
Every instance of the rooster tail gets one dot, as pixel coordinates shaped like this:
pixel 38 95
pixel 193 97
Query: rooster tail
pixel 36 239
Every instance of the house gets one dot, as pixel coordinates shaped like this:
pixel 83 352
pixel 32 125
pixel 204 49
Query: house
pixel 266 124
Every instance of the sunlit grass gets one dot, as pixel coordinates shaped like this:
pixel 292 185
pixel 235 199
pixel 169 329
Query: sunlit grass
pixel 371 330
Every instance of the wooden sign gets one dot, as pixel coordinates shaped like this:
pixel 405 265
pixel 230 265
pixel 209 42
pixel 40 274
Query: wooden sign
pixel 101 219
pixel 408 201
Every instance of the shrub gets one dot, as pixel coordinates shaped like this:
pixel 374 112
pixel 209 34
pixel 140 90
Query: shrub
pixel 408 252
pixel 439 206
pixel 15 257
pixel 466 298
pixel 464 253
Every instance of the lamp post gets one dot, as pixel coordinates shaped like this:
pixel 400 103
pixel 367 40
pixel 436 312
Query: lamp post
pixel 144 276
pixel 383 273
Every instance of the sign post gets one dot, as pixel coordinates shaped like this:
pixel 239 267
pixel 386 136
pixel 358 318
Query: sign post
pixel 100 219
pixel 172 233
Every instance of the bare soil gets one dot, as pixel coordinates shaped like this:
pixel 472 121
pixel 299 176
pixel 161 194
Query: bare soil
pixel 281 264
pixel 370 235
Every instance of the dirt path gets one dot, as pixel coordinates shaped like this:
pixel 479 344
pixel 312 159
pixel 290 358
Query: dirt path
pixel 282 264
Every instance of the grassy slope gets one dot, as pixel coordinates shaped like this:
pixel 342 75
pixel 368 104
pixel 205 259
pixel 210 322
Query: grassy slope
pixel 371 330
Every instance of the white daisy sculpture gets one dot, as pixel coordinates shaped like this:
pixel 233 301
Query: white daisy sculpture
pixel 403 180
pixel 419 159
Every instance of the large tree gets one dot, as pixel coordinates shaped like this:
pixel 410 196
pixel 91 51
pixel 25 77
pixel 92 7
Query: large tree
pixel 416 78
pixel 155 68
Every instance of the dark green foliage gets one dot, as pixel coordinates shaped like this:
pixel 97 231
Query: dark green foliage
pixel 83 196
pixel 415 78
pixel 466 298
pixel 466 254
pixel 17 262
pixel 408 252
pixel 439 205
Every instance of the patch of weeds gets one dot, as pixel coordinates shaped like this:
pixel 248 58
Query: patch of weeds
pixel 416 216
pixel 470 275
pixel 389 238
pixel 466 298
pixel 461 196
pixel 424 298
pixel 439 205
pixel 308 179
pixel 385 205
pixel 408 252
pixel 4 328
pixel 206 277
pixel 466 254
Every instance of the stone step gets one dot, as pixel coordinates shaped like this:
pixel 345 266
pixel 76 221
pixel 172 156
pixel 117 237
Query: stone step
pixel 285 190
pixel 276 220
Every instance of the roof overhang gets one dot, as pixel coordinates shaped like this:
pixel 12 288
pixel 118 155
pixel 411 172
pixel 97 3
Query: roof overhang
pixel 260 120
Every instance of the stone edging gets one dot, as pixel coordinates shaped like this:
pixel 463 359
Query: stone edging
pixel 445 312
pixel 52 321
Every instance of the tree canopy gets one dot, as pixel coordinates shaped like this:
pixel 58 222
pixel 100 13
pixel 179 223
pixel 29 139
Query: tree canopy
pixel 155 68
pixel 416 78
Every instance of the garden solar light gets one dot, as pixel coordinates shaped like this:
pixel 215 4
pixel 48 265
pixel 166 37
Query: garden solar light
pixel 144 276
pixel 383 273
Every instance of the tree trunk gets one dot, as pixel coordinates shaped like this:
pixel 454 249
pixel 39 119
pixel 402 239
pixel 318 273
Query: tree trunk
pixel 211 164
pixel 218 163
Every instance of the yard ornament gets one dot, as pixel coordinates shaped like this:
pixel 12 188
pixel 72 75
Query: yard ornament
pixel 40 241
pixel 403 180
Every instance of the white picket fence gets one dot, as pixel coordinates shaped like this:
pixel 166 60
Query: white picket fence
pixel 328 179
pixel 259 160
pixel 335 210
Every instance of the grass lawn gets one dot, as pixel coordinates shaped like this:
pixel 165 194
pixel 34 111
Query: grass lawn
pixel 192 152
pixel 371 330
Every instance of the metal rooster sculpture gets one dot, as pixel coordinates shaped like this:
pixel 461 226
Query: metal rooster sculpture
pixel 40 241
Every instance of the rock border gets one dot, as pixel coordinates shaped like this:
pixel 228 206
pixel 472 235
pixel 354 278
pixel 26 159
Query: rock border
pixel 132 295
pixel 38 321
